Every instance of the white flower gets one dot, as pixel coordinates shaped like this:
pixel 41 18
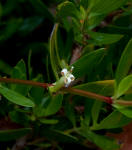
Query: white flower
pixel 64 72
pixel 69 77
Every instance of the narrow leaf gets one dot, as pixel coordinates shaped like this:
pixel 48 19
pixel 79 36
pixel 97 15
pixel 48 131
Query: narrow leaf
pixel 54 105
pixel 95 111
pixel 127 111
pixel 98 9
pixel 114 120
pixel 124 63
pixel 124 85
pixel 104 38
pixel 105 6
pixel 15 97
pixel 19 72
pixel 105 87
pixel 52 51
pixel 87 62
pixel 66 9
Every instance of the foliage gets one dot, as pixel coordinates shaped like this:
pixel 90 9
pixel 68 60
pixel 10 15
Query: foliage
pixel 92 40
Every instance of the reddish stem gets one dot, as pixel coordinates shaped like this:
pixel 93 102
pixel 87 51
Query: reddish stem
pixel 75 91
pixel 27 82
pixel 89 94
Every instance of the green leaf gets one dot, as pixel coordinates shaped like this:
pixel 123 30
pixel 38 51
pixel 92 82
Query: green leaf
pixel 19 72
pixel 124 85
pixel 15 97
pixel 49 121
pixel 98 9
pixel 52 50
pixel 104 38
pixel 95 111
pixel 124 63
pixel 49 106
pixel 114 120
pixel 66 9
pixel 94 20
pixel 105 87
pixel 36 93
pixel 87 112
pixel 127 111
pixel 69 111
pixel 54 105
pixel 103 142
pixel 105 6
pixel 8 135
pixel 86 63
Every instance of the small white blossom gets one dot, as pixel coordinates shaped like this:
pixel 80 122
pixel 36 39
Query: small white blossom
pixel 69 77
pixel 64 72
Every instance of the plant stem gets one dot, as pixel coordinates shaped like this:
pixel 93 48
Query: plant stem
pixel 123 102
pixel 105 99
pixel 27 82
pixel 108 100
pixel 57 85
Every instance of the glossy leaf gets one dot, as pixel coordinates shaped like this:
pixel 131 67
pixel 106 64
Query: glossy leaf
pixel 87 62
pixel 127 111
pixel 52 50
pixel 98 9
pixel 105 87
pixel 114 120
pixel 95 111
pixel 105 6
pixel 66 9
pixel 36 93
pixel 8 135
pixel 94 20
pixel 54 105
pixel 124 63
pixel 15 97
pixel 19 72
pixel 70 113
pixel 104 38
pixel 124 85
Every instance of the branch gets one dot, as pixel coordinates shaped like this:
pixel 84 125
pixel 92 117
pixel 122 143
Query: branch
pixel 123 102
pixel 105 99
pixel 108 100
pixel 27 82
